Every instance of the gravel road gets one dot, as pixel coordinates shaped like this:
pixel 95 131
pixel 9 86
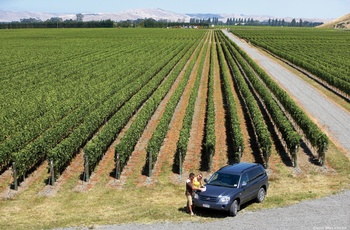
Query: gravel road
pixel 334 119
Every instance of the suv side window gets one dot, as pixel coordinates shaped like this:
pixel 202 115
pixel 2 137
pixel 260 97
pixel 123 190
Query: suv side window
pixel 245 179
pixel 255 173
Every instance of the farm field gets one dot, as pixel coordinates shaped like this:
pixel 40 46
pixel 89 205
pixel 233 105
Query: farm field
pixel 322 52
pixel 93 118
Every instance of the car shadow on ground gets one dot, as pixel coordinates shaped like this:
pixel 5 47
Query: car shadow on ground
pixel 215 214
pixel 207 213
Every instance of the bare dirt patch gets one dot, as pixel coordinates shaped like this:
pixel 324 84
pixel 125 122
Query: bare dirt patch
pixel 6 180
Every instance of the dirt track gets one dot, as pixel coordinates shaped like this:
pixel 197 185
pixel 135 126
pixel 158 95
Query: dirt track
pixel 334 120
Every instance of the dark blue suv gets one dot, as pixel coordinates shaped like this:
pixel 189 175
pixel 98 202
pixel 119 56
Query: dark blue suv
pixel 233 185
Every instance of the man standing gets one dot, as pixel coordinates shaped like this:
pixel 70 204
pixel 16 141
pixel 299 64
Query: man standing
pixel 189 192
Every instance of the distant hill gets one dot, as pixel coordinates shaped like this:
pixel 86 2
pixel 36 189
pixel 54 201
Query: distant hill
pixel 9 16
pixel 133 14
pixel 339 23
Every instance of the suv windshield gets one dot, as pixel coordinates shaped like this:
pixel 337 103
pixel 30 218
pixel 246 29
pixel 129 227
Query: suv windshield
pixel 223 179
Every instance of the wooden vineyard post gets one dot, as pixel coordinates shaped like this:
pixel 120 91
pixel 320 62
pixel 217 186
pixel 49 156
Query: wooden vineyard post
pixel 239 153
pixel 322 154
pixel 210 160
pixel 150 165
pixel 295 156
pixel 267 157
pixel 52 173
pixel 86 168
pixel 180 164
pixel 14 174
pixel 117 167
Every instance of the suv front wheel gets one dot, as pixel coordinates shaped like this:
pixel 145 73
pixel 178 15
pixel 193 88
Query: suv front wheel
pixel 261 195
pixel 234 208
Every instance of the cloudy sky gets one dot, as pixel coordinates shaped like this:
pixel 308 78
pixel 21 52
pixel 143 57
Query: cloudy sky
pixel 275 8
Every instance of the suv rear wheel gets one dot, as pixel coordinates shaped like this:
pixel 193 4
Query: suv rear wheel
pixel 261 195
pixel 234 208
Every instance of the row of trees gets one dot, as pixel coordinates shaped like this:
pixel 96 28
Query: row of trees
pixel 293 23
pixel 35 23
pixel 56 22
pixel 163 23
pixel 271 22
pixel 152 23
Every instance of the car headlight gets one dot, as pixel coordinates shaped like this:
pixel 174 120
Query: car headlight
pixel 224 199
pixel 195 196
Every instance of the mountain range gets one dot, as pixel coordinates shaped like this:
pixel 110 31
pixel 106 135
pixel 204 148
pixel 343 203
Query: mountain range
pixel 133 14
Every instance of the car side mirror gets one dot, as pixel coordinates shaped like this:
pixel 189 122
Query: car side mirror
pixel 205 180
pixel 244 184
